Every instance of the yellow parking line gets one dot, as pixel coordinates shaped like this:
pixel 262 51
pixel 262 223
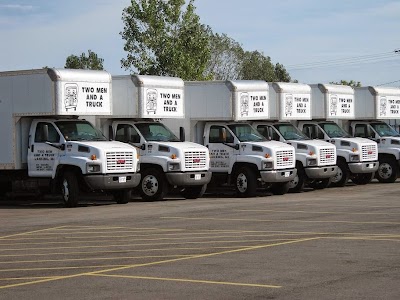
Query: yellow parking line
pixel 60 268
pixel 159 262
pixel 281 220
pixel 191 281
pixel 314 212
pixel 30 232
pixel 27 278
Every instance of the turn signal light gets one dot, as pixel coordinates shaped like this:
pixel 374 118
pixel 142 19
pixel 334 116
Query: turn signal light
pixel 173 156
pixel 267 155
pixel 311 152
pixel 93 157
pixel 354 149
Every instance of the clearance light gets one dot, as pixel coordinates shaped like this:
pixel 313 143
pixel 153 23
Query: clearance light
pixel 173 156
pixel 267 155
pixel 93 157
pixel 311 152
pixel 354 150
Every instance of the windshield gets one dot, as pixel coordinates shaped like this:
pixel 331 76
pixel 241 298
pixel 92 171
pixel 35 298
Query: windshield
pixel 289 132
pixel 333 130
pixel 246 133
pixel 156 132
pixel 79 130
pixel 384 129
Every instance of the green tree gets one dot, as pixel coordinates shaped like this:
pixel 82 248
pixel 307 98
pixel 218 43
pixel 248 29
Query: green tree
pixel 165 38
pixel 257 66
pixel 226 57
pixel 351 83
pixel 91 61
pixel 281 75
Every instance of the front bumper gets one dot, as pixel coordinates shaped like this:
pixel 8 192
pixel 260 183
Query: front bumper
pixel 278 175
pixel 364 167
pixel 321 172
pixel 189 178
pixel 112 181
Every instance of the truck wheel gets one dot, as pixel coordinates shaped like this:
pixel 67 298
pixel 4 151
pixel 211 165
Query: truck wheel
pixel 297 184
pixel 320 184
pixel 70 189
pixel 387 170
pixel 122 196
pixel 280 188
pixel 342 175
pixel 245 182
pixel 153 185
pixel 194 192
pixel 362 178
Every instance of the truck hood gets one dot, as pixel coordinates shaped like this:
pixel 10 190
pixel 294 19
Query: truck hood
pixel 106 145
pixel 181 145
pixel 268 144
pixel 357 140
pixel 315 143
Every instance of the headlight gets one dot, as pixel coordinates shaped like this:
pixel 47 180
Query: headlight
pixel 173 166
pixel 268 165
pixel 92 168
pixel 312 162
pixel 354 157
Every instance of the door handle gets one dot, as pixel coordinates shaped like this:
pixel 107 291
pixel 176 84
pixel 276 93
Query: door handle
pixel 32 147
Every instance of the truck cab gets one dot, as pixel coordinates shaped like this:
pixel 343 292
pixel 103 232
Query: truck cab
pixel 388 141
pixel 357 158
pixel 240 155
pixel 315 159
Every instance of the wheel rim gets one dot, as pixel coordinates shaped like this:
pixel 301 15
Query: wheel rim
pixel 241 183
pixel 385 170
pixel 65 190
pixel 150 185
pixel 338 176
pixel 293 183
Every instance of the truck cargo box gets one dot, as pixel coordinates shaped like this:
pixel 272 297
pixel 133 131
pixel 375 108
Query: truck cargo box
pixel 332 101
pixel 144 96
pixel 290 101
pixel 377 102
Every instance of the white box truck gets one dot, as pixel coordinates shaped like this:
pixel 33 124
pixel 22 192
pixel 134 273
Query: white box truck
pixel 217 116
pixel 374 106
pixel 46 148
pixel 139 103
pixel 315 159
pixel 357 158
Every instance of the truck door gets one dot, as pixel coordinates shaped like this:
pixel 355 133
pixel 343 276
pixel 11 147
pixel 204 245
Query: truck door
pixel 41 155
pixel 221 155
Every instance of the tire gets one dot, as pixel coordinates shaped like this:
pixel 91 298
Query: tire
pixel 70 189
pixel 362 178
pixel 245 182
pixel 342 175
pixel 280 188
pixel 193 192
pixel 320 184
pixel 122 196
pixel 387 170
pixel 153 185
pixel 297 184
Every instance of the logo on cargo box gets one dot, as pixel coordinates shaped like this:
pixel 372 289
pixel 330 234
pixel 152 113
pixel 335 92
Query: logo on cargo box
pixel 120 161
pixel 151 101
pixel 244 104
pixel 71 96
pixel 382 106
pixel 288 105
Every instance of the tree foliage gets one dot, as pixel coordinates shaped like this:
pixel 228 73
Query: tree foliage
pixel 351 83
pixel 165 38
pixel 92 61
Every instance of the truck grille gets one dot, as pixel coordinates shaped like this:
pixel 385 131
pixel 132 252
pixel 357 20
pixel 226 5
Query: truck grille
pixel 118 161
pixel 327 156
pixel 369 152
pixel 195 159
pixel 284 159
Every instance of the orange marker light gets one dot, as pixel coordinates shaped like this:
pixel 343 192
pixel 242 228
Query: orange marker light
pixel 173 156
pixel 93 157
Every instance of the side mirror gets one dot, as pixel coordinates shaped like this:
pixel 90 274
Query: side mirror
pixel 110 133
pixel 127 134
pixel 182 134
pixel 45 132
pixel 223 135
pixel 308 132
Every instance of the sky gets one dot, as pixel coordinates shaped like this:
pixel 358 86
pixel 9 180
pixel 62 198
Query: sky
pixel 318 41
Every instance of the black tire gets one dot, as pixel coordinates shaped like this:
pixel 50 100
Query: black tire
pixel 153 185
pixel 388 170
pixel 122 196
pixel 320 184
pixel 297 184
pixel 245 182
pixel 70 189
pixel 362 178
pixel 342 175
pixel 280 188
pixel 193 192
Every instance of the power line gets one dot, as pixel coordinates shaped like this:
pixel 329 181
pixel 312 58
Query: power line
pixel 388 83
